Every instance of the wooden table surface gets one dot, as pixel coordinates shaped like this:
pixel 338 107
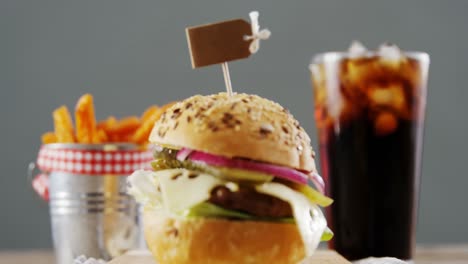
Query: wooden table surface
pixel 447 254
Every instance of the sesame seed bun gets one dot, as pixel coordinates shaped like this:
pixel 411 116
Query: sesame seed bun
pixel 241 126
pixel 220 241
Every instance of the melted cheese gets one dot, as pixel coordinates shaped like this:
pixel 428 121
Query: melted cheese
pixel 181 192
pixel 309 219
pixel 179 189
pixel 141 185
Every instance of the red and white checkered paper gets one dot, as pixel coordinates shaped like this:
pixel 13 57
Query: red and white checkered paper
pixel 40 184
pixel 93 162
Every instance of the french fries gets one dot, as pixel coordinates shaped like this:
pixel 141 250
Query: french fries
pixel 142 134
pixel 49 138
pixel 100 136
pixel 149 112
pixel 85 120
pixel 132 129
pixel 63 125
pixel 107 124
pixel 125 126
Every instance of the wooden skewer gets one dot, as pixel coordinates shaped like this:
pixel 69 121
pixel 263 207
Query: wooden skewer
pixel 227 78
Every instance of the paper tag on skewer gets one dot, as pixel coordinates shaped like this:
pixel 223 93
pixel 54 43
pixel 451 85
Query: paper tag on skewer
pixel 218 42
pixel 225 41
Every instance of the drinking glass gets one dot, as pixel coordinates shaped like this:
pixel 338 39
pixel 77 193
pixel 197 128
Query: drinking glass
pixel 369 111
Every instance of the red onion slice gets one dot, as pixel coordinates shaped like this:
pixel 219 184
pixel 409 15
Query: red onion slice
pixel 318 181
pixel 183 154
pixel 277 171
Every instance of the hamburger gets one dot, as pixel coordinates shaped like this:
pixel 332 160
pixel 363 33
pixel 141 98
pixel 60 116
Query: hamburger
pixel 230 184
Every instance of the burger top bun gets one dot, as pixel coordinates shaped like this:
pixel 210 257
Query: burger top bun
pixel 241 126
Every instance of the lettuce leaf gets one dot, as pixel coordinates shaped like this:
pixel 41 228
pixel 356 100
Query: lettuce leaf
pixel 327 235
pixel 207 209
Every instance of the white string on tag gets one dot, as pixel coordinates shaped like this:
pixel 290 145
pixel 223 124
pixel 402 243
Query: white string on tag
pixel 257 34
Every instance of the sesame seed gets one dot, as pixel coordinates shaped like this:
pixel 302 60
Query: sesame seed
pixel 264 132
pixel 212 126
pixel 161 132
pixel 176 113
pixel 227 116
pixel 233 105
pixel 267 127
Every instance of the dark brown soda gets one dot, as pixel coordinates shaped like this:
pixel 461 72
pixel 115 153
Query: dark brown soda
pixel 372 179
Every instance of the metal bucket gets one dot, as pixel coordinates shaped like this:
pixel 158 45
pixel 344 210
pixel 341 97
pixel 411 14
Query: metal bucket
pixel 90 212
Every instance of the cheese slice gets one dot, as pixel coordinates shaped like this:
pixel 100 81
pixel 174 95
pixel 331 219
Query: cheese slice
pixel 309 218
pixel 142 186
pixel 182 189
pixel 179 189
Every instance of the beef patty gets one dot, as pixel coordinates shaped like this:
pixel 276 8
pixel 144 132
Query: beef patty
pixel 248 200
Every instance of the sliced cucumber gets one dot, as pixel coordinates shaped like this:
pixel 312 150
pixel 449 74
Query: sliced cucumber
pixel 228 174
pixel 314 196
pixel 231 174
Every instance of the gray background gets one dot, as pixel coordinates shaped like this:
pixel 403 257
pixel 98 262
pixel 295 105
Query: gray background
pixel 131 54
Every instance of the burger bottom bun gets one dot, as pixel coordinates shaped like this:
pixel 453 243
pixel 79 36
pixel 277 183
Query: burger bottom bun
pixel 220 241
